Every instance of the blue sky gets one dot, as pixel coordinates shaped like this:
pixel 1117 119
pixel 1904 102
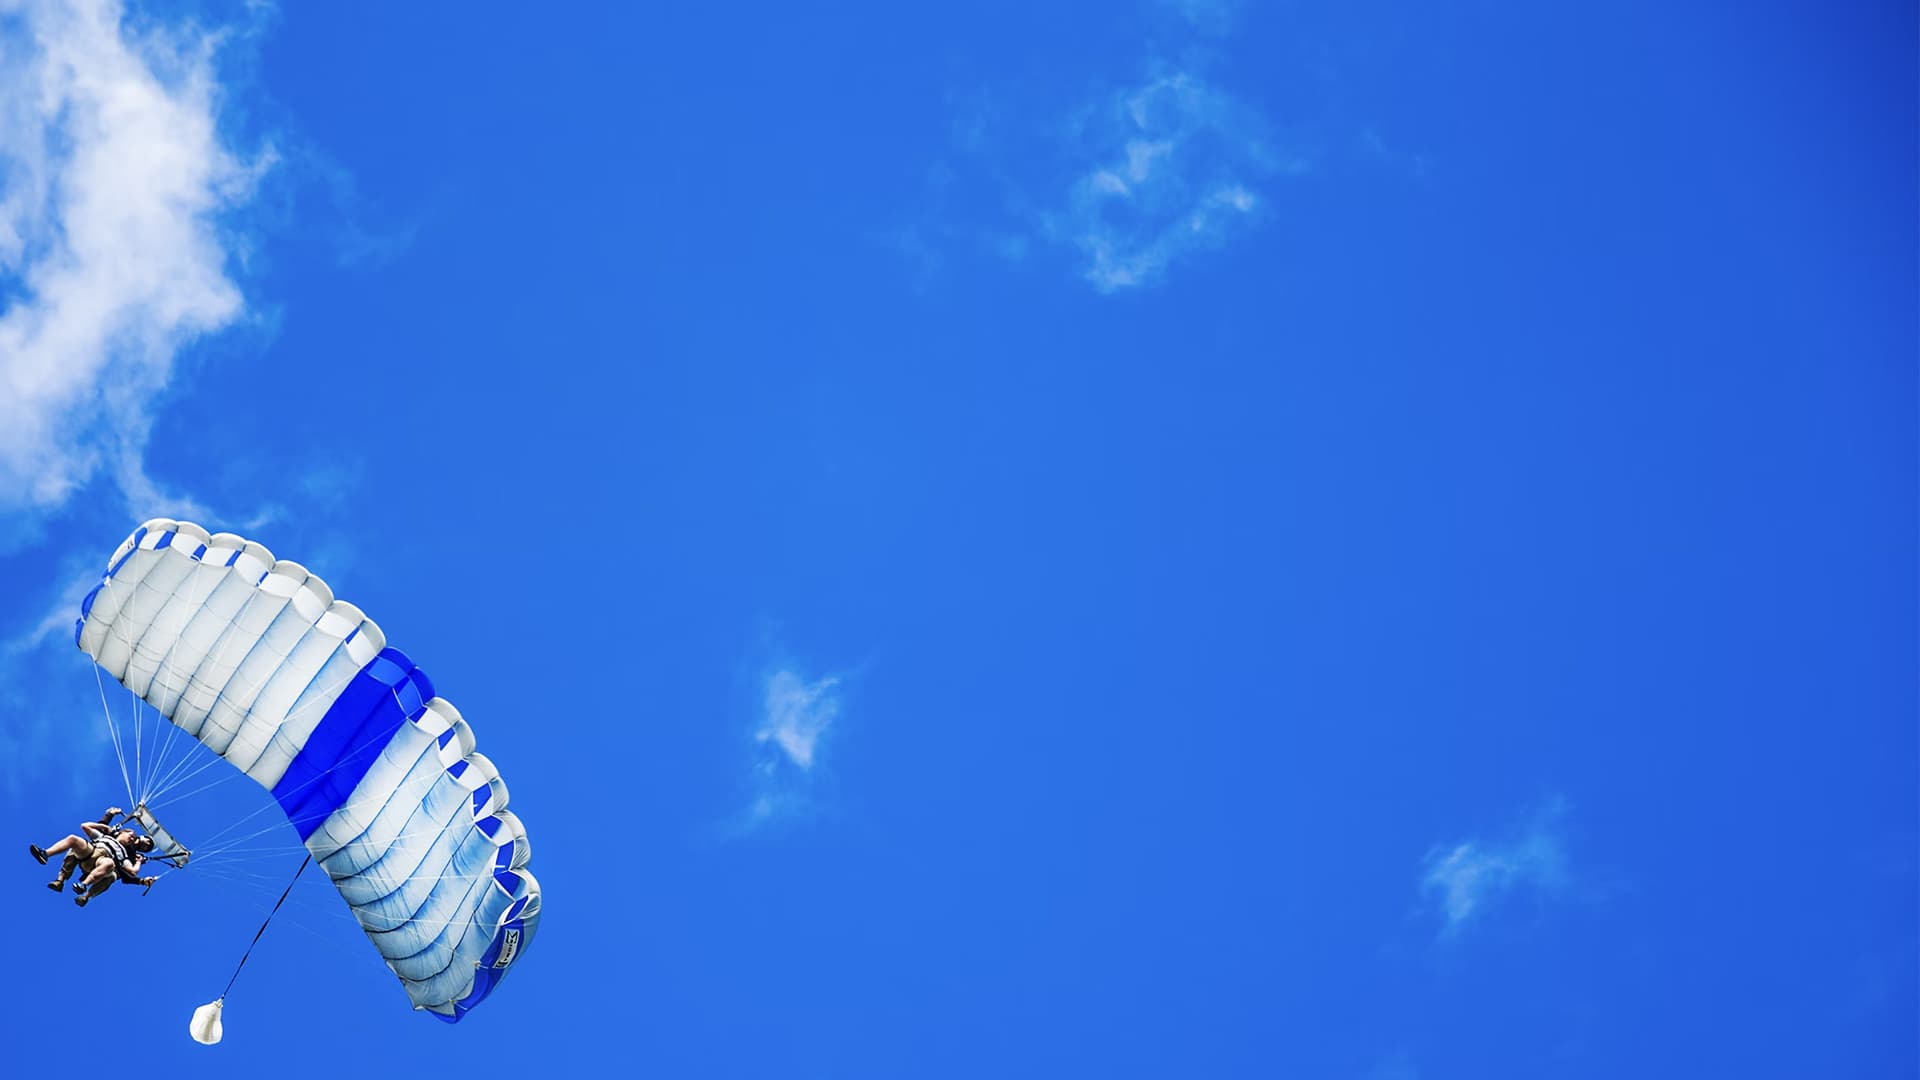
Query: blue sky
pixel 1207 539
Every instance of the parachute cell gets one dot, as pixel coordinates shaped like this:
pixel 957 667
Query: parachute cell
pixel 256 659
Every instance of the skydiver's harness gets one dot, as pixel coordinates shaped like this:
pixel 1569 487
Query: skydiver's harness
pixel 166 849
pixel 112 849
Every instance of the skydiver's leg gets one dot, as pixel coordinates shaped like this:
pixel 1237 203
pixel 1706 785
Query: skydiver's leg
pixel 103 870
pixel 70 843
pixel 66 871
pixel 94 890
pixel 82 858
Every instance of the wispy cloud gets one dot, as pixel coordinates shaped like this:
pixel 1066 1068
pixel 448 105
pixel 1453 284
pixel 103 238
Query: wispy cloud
pixel 42 722
pixel 798 714
pixel 791 739
pixel 56 622
pixel 364 235
pixel 1471 877
pixel 114 180
pixel 1130 179
pixel 1175 164
pixel 1410 163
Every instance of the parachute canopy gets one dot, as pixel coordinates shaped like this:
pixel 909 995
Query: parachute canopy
pixel 254 657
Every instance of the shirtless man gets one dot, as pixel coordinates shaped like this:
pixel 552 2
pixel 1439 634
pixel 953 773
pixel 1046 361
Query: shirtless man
pixel 107 854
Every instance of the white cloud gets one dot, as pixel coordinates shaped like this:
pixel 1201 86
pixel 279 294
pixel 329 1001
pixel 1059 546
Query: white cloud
pixel 1469 877
pixel 1175 161
pixel 113 179
pixel 790 738
pixel 797 714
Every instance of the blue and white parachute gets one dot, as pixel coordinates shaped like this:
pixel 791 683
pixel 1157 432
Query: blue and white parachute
pixel 255 658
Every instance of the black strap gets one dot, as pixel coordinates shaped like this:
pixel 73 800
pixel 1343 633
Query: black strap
pixel 263 926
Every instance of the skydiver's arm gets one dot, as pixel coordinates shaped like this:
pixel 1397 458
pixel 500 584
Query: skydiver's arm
pixel 112 812
pixel 93 829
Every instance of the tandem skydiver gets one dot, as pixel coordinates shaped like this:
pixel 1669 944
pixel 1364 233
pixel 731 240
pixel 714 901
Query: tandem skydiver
pixel 106 854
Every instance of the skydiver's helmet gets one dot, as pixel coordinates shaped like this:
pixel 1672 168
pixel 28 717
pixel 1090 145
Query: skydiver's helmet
pixel 143 844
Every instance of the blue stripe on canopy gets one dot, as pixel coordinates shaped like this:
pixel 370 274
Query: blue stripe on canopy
pixel 386 694
pixel 485 974
pixel 483 980
pixel 86 605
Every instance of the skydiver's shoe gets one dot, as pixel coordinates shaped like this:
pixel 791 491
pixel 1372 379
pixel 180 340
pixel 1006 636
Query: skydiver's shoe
pixel 57 885
pixel 79 901
pixel 38 852
pixel 80 886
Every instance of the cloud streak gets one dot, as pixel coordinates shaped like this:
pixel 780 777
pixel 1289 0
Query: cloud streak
pixel 1471 877
pixel 113 182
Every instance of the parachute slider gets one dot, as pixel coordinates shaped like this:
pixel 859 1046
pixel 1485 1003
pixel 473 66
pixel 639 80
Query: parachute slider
pixel 165 848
